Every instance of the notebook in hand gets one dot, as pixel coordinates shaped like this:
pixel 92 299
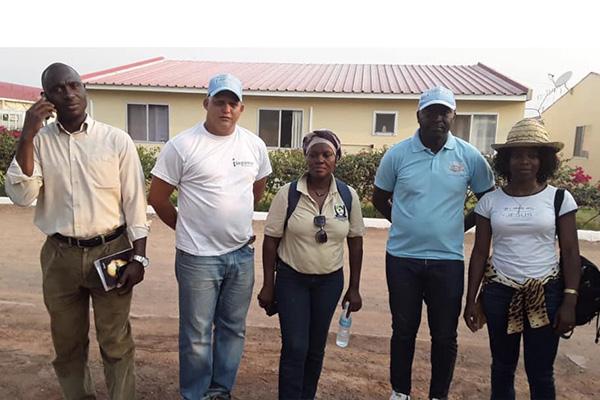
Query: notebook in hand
pixel 111 267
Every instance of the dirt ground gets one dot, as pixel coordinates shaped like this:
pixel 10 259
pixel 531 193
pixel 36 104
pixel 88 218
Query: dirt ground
pixel 357 372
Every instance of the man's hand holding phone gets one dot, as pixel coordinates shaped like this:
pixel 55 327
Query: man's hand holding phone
pixel 36 116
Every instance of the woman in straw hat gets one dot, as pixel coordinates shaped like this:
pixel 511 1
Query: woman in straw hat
pixel 525 292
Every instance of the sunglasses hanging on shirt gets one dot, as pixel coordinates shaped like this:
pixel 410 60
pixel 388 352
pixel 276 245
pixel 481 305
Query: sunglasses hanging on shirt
pixel 321 235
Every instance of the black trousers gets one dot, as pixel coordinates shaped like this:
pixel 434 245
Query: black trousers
pixel 306 304
pixel 440 283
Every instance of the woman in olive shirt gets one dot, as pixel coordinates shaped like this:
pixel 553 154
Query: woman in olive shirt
pixel 307 251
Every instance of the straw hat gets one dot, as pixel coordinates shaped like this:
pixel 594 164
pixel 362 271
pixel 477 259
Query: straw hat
pixel 529 132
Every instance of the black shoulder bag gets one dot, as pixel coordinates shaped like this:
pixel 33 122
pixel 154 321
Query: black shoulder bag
pixel 588 299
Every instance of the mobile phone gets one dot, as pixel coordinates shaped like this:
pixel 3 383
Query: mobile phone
pixel 52 114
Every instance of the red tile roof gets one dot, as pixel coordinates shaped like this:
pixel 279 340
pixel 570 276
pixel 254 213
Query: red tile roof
pixel 19 92
pixel 342 79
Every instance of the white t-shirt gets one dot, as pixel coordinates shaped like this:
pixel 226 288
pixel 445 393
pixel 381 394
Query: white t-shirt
pixel 523 231
pixel 215 176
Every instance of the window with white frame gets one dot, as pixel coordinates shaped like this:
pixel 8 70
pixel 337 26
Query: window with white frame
pixel 12 120
pixel 148 122
pixel 384 123
pixel 578 149
pixel 477 129
pixel 280 128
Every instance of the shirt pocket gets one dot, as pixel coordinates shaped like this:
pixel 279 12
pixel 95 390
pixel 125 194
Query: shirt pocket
pixel 103 170
pixel 457 169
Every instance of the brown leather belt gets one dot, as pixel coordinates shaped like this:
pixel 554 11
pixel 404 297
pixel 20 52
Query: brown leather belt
pixel 91 242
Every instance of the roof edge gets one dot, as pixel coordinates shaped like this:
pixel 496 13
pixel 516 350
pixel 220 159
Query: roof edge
pixel 592 73
pixel 16 91
pixel 121 68
pixel 377 96
pixel 20 86
pixel 17 100
pixel 506 78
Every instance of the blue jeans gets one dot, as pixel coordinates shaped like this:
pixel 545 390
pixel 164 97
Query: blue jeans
pixel 214 295
pixel 306 304
pixel 540 345
pixel 440 283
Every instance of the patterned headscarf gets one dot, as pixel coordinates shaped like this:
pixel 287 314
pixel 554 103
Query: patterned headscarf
pixel 322 136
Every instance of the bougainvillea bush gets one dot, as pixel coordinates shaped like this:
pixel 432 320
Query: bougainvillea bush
pixel 358 170
pixel 8 146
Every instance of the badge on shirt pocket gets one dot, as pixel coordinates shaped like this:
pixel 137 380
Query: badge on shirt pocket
pixel 340 211
pixel 457 168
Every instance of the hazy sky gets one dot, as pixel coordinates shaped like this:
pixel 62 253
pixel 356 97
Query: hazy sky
pixel 524 40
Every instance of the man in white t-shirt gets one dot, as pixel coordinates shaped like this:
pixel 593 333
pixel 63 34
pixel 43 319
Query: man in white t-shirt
pixel 220 170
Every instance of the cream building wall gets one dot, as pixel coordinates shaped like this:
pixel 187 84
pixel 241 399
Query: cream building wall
pixel 12 112
pixel 110 106
pixel 578 107
pixel 351 119
pixel 15 105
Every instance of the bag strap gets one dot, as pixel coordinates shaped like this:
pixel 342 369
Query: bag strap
pixel 294 197
pixel 345 194
pixel 559 196
pixel 292 202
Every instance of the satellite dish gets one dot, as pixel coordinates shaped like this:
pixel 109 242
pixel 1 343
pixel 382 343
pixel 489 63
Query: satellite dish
pixel 563 79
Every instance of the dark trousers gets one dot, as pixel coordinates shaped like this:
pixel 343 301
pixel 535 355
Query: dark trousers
pixel 69 281
pixel 540 345
pixel 440 284
pixel 306 304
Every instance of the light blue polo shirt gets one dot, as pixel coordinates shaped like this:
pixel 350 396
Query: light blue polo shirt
pixel 429 192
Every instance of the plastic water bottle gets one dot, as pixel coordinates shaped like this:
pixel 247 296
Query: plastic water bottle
pixel 343 335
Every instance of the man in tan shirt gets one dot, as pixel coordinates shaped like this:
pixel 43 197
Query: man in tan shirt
pixel 89 186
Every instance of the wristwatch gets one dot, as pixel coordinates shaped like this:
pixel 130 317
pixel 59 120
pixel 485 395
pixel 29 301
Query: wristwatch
pixel 142 260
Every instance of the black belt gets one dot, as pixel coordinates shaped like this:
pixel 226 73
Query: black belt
pixel 91 242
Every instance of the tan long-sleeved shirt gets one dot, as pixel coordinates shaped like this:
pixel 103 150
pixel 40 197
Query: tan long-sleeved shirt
pixel 86 183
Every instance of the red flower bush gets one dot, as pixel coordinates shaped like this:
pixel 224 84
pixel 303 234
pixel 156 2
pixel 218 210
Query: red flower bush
pixel 8 145
pixel 578 176
pixel 13 133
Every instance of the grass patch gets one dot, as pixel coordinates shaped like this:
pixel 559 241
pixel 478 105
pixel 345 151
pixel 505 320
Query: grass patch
pixel 369 211
pixel 584 214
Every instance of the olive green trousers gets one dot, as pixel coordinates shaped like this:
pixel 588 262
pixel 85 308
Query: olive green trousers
pixel 69 281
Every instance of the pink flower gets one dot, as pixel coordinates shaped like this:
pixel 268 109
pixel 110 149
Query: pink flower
pixel 579 176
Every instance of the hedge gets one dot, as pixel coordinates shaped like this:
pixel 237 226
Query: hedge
pixel 358 170
pixel 2 179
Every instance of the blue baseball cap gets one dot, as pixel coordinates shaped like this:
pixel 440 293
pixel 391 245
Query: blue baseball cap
pixel 437 95
pixel 219 83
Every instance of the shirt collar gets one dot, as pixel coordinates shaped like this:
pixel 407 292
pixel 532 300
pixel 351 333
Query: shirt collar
pixel 416 144
pixel 84 128
pixel 302 186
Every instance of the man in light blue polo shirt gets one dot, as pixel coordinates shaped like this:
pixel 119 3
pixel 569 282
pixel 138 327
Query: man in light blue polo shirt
pixel 420 187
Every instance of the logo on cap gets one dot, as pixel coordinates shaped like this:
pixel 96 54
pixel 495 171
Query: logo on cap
pixel 437 95
pixel 223 82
